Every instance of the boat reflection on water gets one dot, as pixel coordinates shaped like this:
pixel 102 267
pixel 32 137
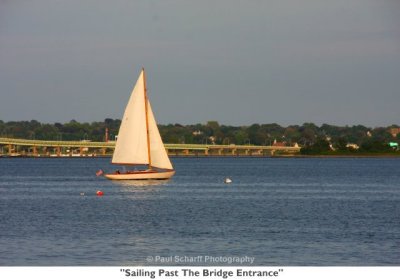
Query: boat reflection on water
pixel 145 182
pixel 140 183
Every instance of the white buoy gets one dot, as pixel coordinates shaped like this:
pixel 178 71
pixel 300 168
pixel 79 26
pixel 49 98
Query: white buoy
pixel 227 180
pixel 82 194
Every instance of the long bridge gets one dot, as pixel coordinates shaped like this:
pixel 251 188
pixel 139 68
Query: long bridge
pixel 11 147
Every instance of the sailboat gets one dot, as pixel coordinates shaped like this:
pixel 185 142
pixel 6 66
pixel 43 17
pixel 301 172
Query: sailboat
pixel 139 142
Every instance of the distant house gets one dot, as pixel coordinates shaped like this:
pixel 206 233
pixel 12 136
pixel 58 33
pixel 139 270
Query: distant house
pixel 279 143
pixel 212 139
pixel 352 146
pixel 394 131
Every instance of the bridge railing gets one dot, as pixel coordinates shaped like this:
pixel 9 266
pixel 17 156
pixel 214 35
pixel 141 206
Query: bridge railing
pixel 168 146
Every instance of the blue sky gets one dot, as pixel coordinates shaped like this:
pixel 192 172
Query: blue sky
pixel 237 62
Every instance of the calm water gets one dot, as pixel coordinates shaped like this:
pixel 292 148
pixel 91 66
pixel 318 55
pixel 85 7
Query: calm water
pixel 280 211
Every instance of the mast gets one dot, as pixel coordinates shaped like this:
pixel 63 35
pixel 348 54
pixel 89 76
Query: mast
pixel 147 117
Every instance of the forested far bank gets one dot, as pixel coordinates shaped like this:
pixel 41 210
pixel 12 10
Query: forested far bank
pixel 315 138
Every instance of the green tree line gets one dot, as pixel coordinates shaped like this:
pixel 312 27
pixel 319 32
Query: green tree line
pixel 313 138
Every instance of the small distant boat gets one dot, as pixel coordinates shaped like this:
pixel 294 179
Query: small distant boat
pixel 139 142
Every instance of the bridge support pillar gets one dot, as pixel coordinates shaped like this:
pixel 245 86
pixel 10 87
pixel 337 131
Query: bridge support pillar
pixel 80 151
pixel 206 152
pixel 35 153
pixel 58 151
pixel 10 149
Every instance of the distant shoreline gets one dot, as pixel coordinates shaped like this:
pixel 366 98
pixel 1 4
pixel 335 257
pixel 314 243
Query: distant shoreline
pixel 343 156
pixel 352 156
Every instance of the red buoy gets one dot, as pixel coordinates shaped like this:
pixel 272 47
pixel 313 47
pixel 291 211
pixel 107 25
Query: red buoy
pixel 99 193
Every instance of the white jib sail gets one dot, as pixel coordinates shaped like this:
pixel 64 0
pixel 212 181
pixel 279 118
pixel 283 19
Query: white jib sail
pixel 131 146
pixel 159 156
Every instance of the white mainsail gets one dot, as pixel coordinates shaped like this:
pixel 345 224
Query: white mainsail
pixel 132 145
